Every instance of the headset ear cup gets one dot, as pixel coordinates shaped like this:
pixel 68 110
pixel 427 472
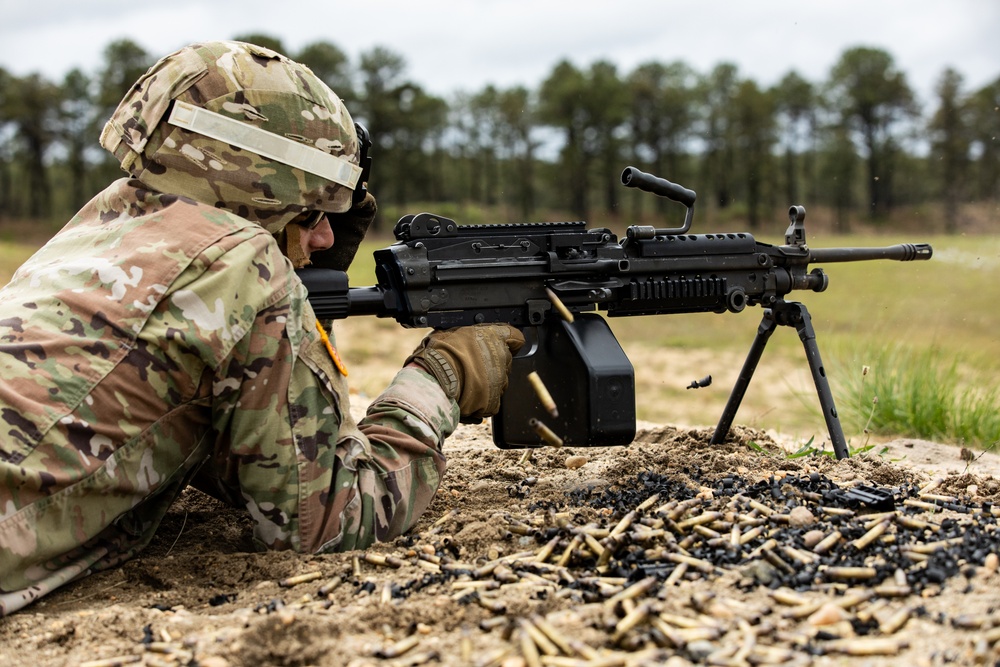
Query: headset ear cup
pixel 365 162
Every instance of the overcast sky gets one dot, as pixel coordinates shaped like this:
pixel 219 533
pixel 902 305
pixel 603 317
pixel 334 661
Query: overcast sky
pixel 465 44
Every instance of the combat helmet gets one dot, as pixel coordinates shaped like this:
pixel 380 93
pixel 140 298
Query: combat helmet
pixel 239 127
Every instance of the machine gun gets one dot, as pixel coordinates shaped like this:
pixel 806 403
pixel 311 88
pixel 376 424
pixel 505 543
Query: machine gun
pixel 572 382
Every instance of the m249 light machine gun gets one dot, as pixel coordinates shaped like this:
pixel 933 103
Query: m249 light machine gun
pixel 572 382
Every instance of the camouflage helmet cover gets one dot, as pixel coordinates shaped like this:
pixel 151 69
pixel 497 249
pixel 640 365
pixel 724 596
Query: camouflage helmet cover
pixel 239 127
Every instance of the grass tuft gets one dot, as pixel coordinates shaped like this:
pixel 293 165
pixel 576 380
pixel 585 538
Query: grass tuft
pixel 925 393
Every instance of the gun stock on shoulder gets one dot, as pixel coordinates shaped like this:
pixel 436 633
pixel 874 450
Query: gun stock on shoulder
pixel 550 279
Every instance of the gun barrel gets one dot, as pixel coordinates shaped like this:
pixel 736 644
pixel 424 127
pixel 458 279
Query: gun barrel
pixel 903 252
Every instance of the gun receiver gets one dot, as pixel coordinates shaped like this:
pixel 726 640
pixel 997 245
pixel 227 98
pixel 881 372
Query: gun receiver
pixel 440 274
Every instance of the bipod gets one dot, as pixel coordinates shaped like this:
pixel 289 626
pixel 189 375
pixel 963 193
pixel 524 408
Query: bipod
pixel 791 314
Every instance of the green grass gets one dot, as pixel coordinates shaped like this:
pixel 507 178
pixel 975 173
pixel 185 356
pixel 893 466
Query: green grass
pixel 926 393
pixel 12 255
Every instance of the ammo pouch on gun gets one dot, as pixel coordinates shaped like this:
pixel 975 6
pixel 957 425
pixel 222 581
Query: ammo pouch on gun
pixel 591 381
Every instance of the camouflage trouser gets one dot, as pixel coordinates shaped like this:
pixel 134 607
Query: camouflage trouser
pixel 41 529
pixel 377 484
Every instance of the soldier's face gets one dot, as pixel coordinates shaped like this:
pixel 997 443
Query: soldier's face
pixel 318 238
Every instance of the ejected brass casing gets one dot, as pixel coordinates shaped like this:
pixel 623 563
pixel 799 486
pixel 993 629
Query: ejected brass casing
pixel 564 312
pixel 545 433
pixel 543 394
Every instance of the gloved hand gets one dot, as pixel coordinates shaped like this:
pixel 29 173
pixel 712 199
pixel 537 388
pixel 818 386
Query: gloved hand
pixel 471 364
pixel 349 230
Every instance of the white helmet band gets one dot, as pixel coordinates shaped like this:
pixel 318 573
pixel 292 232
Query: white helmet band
pixel 266 144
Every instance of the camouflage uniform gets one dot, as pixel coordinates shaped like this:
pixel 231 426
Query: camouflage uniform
pixel 157 341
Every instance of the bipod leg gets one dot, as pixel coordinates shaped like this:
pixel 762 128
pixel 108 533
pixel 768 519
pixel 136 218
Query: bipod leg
pixel 795 314
pixel 764 331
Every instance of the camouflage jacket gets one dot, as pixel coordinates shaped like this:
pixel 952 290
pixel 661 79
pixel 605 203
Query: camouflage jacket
pixel 155 342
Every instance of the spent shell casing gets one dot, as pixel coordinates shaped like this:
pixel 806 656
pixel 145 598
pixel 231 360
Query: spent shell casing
pixel 330 586
pixel 836 511
pixel 939 497
pixel 892 591
pixel 760 507
pixel 679 621
pixel 865 646
pixel 931 547
pixel 560 307
pixel 777 561
pixel 681 508
pixel 553 635
pixel 751 535
pixel 671 633
pixel 896 621
pixel 398 648
pixel 570 549
pixel 915 524
pixel 849 573
pixel 487 624
pixel 420 658
pixel 386 596
pixel 595 547
pixel 495 606
pixel 631 620
pixel 543 394
pixel 585 650
pixel 647 503
pixel 545 433
pixel 428 566
pixel 152 661
pixel 871 535
pixel 701 519
pixel 543 643
pixel 803 557
pixel 300 579
pixel 547 549
pixel 676 575
pixel 688 542
pixel 707 532
pixel 382 559
pixel 872 519
pixel 788 597
pixel 992 636
pixel 623 524
pixel 691 561
pixel 931 485
pixel 447 515
pixel 827 542
pixel 112 662
pixel 635 590
pixel 529 650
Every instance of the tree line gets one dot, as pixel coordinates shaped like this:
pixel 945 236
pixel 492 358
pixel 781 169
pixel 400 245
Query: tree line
pixel 857 142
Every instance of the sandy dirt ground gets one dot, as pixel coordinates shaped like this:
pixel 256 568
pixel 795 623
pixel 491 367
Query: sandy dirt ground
pixel 668 551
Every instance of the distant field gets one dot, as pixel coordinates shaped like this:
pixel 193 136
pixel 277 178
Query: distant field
pixel 12 255
pixel 948 305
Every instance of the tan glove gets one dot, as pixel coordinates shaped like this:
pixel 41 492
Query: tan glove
pixel 471 364
pixel 348 231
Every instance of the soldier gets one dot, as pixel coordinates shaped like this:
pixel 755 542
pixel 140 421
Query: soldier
pixel 162 338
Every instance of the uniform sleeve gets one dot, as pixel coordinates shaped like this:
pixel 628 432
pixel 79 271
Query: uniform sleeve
pixel 289 450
